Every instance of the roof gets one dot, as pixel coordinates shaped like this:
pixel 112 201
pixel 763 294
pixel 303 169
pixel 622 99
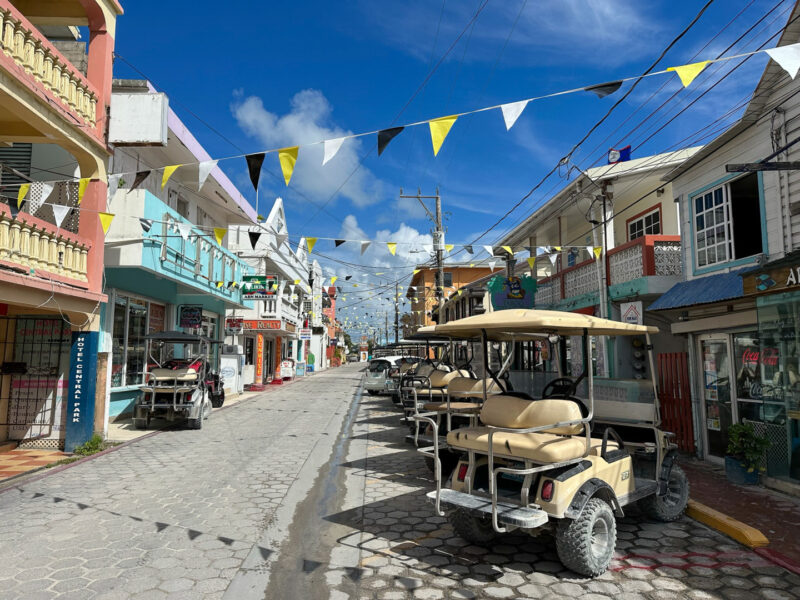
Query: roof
pixel 527 321
pixel 703 290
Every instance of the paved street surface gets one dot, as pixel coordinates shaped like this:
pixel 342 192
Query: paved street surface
pixel 303 493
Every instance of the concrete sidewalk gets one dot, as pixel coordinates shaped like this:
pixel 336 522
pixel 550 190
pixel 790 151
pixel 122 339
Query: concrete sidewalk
pixel 776 515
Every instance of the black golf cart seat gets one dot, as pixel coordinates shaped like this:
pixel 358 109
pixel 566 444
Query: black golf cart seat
pixel 554 445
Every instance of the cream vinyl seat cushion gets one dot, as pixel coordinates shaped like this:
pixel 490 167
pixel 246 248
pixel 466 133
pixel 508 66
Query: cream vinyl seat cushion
pixel 520 413
pixel 454 406
pixel 538 447
pixel 177 374
pixel 440 379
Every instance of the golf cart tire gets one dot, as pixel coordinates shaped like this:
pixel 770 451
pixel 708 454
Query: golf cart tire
pixel 574 539
pixel 217 400
pixel 662 508
pixel 140 423
pixel 195 423
pixel 473 528
pixel 372 392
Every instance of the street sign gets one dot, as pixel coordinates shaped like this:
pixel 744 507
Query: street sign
pixel 305 333
pixel 631 312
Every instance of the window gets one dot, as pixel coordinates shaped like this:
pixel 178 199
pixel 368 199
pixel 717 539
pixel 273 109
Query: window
pixel 133 319
pixel 249 351
pixel 646 224
pixel 727 222
pixel 182 207
pixel 448 280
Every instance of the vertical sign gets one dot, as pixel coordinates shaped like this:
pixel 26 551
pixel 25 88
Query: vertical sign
pixel 81 391
pixel 259 358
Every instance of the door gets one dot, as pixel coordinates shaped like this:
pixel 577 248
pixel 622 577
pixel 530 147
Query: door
pixel 719 409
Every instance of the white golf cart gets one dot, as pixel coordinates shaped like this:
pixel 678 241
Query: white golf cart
pixel 569 462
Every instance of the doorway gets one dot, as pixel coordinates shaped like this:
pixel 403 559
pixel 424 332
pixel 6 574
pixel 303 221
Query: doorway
pixel 715 381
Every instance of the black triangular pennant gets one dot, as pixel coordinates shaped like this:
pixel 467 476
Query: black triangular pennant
pixel 139 179
pixel 468 249
pixel 12 206
pixel 339 242
pixel 604 89
pixel 254 162
pixel 387 135
pixel 146 224
pixel 348 277
pixel 254 235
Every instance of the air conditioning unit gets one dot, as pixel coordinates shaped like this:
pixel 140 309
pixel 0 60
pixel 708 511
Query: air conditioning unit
pixel 232 349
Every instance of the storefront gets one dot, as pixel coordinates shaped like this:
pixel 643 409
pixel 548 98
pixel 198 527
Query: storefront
pixel 265 347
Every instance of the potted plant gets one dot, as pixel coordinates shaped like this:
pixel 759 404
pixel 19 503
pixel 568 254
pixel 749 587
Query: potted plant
pixel 745 454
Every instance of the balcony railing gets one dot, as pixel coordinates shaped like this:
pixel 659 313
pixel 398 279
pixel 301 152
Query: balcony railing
pixel 45 66
pixel 650 255
pixel 34 245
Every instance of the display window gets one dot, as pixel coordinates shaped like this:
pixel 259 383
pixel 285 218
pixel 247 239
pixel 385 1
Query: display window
pixel 133 318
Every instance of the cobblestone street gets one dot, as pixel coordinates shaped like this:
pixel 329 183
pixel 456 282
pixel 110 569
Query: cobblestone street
pixel 270 501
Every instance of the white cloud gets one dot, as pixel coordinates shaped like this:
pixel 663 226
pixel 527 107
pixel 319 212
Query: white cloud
pixel 310 120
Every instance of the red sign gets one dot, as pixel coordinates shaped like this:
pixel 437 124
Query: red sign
pixel 770 357
pixel 259 358
pixel 259 324
pixel 234 325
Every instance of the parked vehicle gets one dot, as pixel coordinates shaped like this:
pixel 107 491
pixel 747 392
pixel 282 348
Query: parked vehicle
pixel 378 380
pixel 561 461
pixel 179 383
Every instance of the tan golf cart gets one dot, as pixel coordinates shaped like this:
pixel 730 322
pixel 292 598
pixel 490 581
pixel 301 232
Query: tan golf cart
pixel 562 460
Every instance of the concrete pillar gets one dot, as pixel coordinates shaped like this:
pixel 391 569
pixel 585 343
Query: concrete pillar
pixel 94 201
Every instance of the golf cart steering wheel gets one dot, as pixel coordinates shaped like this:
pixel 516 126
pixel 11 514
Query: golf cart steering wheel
pixel 561 387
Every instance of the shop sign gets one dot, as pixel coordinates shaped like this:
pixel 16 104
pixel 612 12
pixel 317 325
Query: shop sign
pixel 752 356
pixel 190 317
pixel 234 325
pixel 305 333
pixel 259 358
pixel 512 292
pixel 259 287
pixel 290 327
pixel 81 391
pixel 631 312
pixel 771 280
pixel 260 324
pixel 287 369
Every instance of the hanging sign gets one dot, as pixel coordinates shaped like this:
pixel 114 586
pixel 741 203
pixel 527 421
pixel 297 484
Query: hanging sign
pixel 512 292
pixel 234 325
pixel 190 317
pixel 259 287
pixel 631 312
pixel 305 333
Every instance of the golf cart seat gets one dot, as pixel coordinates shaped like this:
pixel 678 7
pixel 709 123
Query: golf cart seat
pixel 187 374
pixel 549 446
pixel 463 388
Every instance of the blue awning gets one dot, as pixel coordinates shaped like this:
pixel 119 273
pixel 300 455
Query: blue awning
pixel 703 290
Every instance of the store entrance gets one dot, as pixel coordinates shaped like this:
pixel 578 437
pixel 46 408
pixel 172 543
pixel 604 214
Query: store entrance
pixel 715 363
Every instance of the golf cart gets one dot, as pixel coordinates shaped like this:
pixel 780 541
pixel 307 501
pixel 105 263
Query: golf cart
pixel 562 461
pixel 179 383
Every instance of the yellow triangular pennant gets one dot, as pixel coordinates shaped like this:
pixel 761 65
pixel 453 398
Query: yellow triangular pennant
pixel 439 129
pixel 168 171
pixel 598 250
pixel 416 271
pixel 449 247
pixel 471 264
pixel 687 73
pixel 82 185
pixel 297 282
pixel 333 280
pixel 219 233
pixel 557 248
pixel 310 243
pixel 105 220
pixel 507 249
pixel 23 191
pixel 288 158
pixel 220 284
pixel 531 261
pixel 392 248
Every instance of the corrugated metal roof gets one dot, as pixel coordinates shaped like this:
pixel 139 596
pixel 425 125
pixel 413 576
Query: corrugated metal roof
pixel 703 290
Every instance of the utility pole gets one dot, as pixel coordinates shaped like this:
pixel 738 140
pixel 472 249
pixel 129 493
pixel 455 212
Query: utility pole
pixel 438 239
pixel 396 312
pixel 386 326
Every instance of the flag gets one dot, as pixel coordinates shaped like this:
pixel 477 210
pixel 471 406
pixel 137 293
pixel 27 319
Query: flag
pixel 59 213
pixel 280 238
pixel 338 243
pixel 333 280
pixel 688 73
pixel 146 224
pixel 83 183
pixel 468 249
pixel 512 111
pixel 330 148
pixel 288 158
pixel 508 249
pixel 620 155
pixel 254 236
pixel 137 181
pixel 347 277
pixel 105 220
pixel 113 185
pixel 364 246
pixel 553 258
pixel 492 263
pixel 439 129
pixel 220 284
pixel 788 57
pixel 598 250
pixel 204 170
pixel 184 229
pixel 219 234
pixel 604 89
pixel 416 271
pixel 449 247
pixel 23 190
pixel 387 135
pixel 310 242
pixel 254 162
pixel 489 249
pixel 168 171
pixel 531 261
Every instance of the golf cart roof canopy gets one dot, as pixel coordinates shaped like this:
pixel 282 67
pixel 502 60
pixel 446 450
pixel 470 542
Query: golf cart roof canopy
pixel 503 324
pixel 427 334
pixel 179 337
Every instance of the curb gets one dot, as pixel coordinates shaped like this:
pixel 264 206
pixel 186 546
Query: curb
pixel 779 559
pixel 741 532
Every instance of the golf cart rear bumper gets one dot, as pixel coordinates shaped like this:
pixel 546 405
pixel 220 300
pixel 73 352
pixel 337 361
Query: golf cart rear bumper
pixel 507 512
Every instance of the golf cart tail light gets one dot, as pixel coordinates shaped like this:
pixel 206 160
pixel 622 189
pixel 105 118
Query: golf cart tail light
pixel 547 490
pixel 462 472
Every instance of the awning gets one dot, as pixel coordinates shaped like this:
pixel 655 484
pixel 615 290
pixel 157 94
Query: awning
pixel 703 290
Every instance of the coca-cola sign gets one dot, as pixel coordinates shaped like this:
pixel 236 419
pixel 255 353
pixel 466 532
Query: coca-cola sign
pixel 753 356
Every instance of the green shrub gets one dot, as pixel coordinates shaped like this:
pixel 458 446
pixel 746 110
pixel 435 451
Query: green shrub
pixel 747 447
pixel 93 446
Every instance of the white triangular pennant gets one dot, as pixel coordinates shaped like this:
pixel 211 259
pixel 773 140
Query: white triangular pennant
pixel 60 212
pixel 492 263
pixel 489 249
pixel 203 170
pixel 364 246
pixel 512 111
pixel 330 148
pixel 184 229
pixel 280 238
pixel 590 250
pixel 553 258
pixel 113 185
pixel 788 57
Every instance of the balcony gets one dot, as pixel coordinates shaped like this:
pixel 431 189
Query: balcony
pixel 35 247
pixel 648 265
pixel 29 56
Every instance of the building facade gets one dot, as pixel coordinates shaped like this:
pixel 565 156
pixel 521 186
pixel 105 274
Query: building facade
pixel 422 288
pixel 55 92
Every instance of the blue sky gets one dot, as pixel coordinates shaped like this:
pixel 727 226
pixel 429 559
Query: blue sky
pixel 269 75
